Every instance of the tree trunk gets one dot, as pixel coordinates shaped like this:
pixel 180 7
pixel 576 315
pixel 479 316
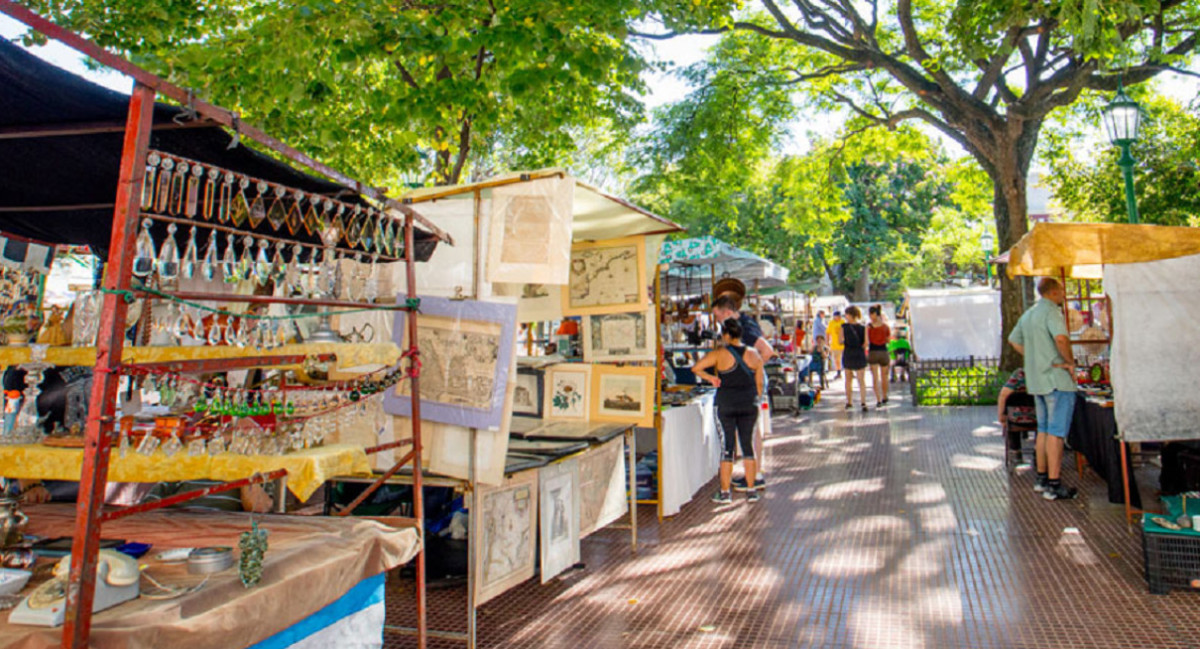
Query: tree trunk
pixel 862 285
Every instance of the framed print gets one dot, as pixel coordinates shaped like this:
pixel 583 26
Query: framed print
pixel 607 277
pixel 624 394
pixel 558 516
pixel 567 387
pixel 528 391
pixel 507 529
pixel 530 232
pixel 466 351
pixel 602 498
pixel 619 336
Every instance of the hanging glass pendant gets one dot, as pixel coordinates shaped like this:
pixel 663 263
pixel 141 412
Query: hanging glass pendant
pixel 295 275
pixel 191 256
pixel 152 161
pixel 179 188
pixel 168 257
pixel 246 262
pixel 295 216
pixel 228 193
pixel 391 241
pixel 354 226
pixel 239 206
pixel 162 189
pixel 191 201
pixel 143 256
pixel 229 262
pixel 211 202
pixel 338 225
pixel 259 208
pixel 276 212
pixel 278 265
pixel 367 236
pixel 208 268
pixel 311 221
pixel 262 264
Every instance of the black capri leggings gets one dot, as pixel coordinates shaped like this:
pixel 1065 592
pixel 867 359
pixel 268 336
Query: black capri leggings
pixel 737 425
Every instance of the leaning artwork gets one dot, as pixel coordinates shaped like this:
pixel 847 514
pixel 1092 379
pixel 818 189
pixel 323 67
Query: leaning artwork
pixel 607 277
pixel 601 487
pixel 559 517
pixel 508 529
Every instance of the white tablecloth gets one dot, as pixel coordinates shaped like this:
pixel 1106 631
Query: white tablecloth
pixel 690 453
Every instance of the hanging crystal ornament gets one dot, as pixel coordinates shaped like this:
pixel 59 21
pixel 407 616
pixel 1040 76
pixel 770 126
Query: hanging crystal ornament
pixel 311 221
pixel 162 189
pixel 371 290
pixel 367 236
pixel 229 263
pixel 214 332
pixel 228 194
pixel 246 263
pixel 277 212
pixel 259 208
pixel 295 215
pixel 278 265
pixel 294 273
pixel 212 195
pixel 152 161
pixel 179 187
pixel 262 264
pixel 143 256
pixel 191 256
pixel 208 267
pixel 191 201
pixel 239 207
pixel 354 226
pixel 338 225
pixel 323 217
pixel 168 256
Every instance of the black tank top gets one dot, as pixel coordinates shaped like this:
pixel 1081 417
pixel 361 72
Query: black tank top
pixel 738 387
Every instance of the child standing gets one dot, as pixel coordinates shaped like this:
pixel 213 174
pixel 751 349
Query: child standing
pixel 820 352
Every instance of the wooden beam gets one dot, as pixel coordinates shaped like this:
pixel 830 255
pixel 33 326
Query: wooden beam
pixel 88 128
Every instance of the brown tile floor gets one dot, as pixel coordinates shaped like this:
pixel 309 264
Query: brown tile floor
pixel 894 528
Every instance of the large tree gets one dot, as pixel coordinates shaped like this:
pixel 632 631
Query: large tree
pixel 986 73
pixel 391 91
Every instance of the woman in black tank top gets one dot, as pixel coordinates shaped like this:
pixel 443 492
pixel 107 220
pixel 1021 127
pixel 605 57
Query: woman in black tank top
pixel 738 378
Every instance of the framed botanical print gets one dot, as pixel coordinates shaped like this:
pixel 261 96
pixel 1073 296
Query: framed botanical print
pixel 567 387
pixel 508 525
pixel 623 394
pixel 528 392
pixel 607 277
pixel 466 351
pixel 619 336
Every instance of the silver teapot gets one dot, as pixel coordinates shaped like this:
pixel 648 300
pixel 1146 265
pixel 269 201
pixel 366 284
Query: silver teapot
pixel 12 523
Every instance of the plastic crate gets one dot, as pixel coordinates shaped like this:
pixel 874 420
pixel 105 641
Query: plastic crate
pixel 1170 561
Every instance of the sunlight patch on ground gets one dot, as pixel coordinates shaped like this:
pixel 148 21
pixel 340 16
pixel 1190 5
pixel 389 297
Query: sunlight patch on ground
pixel 926 559
pixel 884 627
pixel 849 488
pixel 849 561
pixel 987 430
pixel 975 462
pixel 924 493
pixel 938 519
pixel 1073 548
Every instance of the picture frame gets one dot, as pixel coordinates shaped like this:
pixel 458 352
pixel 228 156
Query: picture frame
pixel 466 351
pixel 506 550
pixel 607 277
pixel 529 233
pixel 566 391
pixel 558 517
pixel 529 392
pixel 623 394
pixel 610 337
pixel 602 484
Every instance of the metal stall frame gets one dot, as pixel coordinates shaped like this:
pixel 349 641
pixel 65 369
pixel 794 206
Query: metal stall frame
pixel 117 281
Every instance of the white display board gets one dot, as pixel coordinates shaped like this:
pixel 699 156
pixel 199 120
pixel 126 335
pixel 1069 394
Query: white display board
pixel 954 323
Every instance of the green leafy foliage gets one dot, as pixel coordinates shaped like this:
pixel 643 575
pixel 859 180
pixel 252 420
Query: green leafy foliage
pixel 959 386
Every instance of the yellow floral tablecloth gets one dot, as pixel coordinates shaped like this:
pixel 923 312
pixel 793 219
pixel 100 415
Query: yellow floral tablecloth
pixel 307 469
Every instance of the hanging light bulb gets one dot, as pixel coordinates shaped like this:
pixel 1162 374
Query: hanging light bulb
pixel 143 257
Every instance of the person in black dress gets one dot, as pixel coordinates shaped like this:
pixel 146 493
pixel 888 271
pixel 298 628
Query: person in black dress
pixel 738 378
pixel 854 356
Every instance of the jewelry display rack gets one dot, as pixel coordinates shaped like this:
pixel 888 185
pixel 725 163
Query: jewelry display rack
pixel 393 219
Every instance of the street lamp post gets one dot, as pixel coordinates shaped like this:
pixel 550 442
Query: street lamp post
pixel 987 242
pixel 1122 119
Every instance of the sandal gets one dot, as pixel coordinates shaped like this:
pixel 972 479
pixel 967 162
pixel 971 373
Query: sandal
pixel 864 407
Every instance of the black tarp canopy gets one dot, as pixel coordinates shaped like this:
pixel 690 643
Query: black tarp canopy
pixel 60 148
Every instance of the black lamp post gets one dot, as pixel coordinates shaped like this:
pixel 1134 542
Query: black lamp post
pixel 988 243
pixel 1122 119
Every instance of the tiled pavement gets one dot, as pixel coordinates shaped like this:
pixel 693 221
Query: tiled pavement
pixel 894 528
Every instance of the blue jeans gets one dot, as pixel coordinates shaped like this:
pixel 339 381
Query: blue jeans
pixel 1054 412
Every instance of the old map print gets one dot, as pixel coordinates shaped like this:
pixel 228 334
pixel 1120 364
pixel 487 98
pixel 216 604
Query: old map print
pixel 618 337
pixel 601 486
pixel 508 529
pixel 606 277
pixel 458 362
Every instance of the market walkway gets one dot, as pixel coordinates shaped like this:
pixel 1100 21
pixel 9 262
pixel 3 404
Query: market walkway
pixel 898 528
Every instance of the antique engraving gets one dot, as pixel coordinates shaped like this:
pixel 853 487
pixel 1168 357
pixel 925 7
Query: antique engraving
pixel 559 517
pixel 567 388
pixel 507 527
pixel 530 232
pixel 526 222
pixel 606 277
pixel 619 336
pixel 601 487
pixel 527 393
pixel 624 394
pixel 458 361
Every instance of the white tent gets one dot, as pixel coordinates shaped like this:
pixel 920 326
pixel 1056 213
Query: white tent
pixel 954 323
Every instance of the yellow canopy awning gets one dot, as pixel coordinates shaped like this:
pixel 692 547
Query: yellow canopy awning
pixel 1082 249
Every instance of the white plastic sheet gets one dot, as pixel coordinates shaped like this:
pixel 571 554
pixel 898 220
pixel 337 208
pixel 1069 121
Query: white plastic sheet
pixel 955 323
pixel 1156 348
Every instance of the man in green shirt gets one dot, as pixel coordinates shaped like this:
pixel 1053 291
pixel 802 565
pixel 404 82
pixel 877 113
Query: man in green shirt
pixel 1041 337
pixel 901 352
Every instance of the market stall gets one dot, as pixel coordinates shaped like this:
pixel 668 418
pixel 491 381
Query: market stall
pixel 209 245
pixel 1141 267
pixel 954 323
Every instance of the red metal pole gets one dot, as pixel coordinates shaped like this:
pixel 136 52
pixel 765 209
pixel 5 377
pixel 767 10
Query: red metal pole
pixel 414 360
pixel 109 343
pixel 349 509
pixel 257 478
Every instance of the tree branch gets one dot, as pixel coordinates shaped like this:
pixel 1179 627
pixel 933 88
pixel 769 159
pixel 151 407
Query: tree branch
pixel 406 76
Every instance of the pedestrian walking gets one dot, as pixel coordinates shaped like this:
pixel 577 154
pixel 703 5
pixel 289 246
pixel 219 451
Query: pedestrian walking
pixel 854 356
pixel 1041 337
pixel 738 378
pixel 878 335
pixel 833 333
